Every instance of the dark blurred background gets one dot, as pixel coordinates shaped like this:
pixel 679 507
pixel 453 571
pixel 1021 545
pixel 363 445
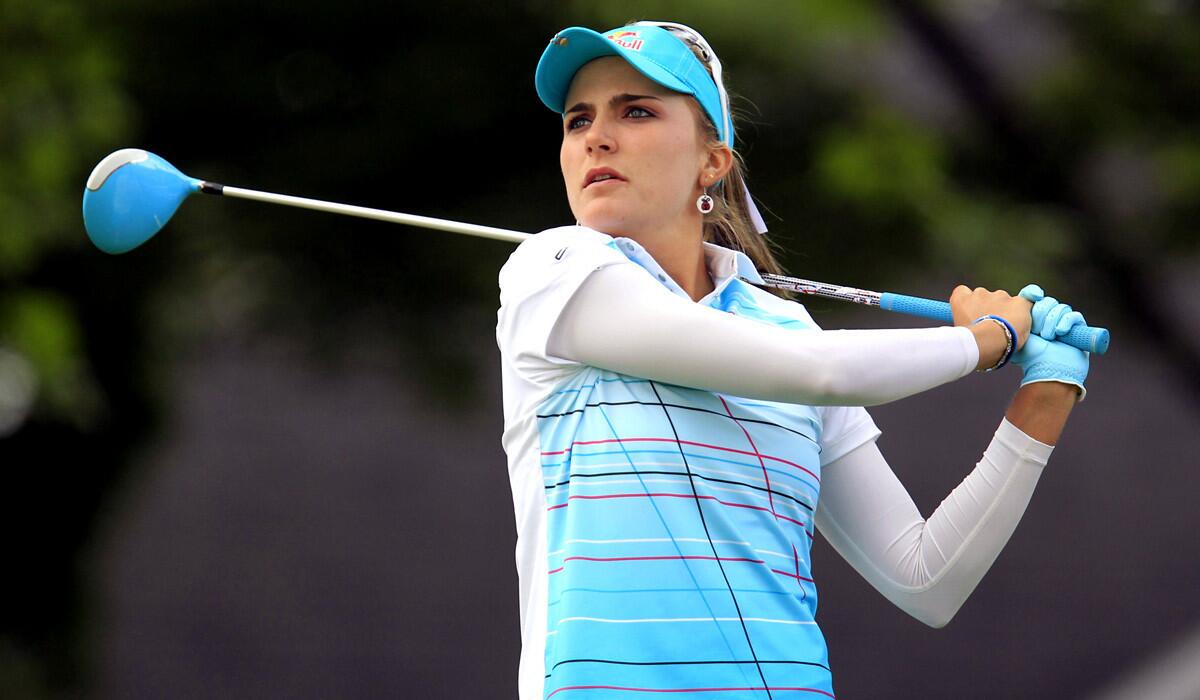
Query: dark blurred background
pixel 259 456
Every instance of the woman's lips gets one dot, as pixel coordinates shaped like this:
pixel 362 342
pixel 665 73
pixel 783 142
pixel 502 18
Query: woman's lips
pixel 612 176
pixel 604 183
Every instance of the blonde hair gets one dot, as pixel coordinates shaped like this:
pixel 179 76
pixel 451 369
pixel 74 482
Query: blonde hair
pixel 729 224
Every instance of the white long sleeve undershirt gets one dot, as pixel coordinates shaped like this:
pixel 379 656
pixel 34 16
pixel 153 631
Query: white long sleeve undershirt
pixel 622 320
pixel 928 568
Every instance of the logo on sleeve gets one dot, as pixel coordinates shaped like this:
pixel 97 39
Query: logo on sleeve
pixel 559 254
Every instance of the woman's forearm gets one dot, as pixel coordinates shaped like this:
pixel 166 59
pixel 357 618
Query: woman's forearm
pixel 928 567
pixel 622 320
pixel 1040 410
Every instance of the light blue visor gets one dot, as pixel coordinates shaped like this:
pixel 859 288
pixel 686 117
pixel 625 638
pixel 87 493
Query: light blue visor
pixel 653 51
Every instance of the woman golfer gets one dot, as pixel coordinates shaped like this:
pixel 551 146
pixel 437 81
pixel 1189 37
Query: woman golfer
pixel 669 426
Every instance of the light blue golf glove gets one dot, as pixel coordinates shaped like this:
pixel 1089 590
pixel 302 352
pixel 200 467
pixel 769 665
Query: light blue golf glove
pixel 1043 359
pixel 1050 318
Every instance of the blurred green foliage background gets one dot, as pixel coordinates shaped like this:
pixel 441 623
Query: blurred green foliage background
pixel 894 145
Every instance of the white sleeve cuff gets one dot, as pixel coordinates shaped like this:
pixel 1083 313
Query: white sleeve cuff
pixel 1022 446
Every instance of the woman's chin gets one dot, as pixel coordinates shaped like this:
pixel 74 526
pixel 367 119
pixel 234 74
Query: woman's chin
pixel 606 222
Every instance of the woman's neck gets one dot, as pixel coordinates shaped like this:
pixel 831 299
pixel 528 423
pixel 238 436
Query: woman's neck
pixel 685 263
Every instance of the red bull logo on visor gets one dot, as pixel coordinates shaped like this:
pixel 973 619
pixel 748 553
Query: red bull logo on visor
pixel 627 40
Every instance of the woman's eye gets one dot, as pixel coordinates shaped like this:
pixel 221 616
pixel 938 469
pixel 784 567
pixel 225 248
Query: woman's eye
pixel 635 112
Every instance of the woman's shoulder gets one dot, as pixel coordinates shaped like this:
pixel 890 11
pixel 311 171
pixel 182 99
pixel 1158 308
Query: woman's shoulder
pixel 562 235
pixel 555 250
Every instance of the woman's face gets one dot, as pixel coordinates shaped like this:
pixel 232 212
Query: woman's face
pixel 633 154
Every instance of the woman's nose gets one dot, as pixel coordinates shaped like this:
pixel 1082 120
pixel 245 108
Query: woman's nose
pixel 600 137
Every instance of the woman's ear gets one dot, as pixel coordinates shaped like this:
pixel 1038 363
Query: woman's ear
pixel 716 165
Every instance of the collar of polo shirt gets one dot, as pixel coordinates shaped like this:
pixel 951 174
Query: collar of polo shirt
pixel 723 265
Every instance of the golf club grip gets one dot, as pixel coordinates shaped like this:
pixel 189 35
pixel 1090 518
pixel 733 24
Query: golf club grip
pixel 1086 338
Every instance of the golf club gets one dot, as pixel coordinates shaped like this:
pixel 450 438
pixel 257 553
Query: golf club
pixel 132 193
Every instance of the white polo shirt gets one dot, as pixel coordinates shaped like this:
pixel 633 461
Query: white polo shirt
pixel 663 531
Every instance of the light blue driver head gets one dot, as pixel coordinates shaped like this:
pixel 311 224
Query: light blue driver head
pixel 130 195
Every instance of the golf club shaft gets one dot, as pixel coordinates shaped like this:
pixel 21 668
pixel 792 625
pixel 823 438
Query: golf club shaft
pixel 1085 338
pixel 366 212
